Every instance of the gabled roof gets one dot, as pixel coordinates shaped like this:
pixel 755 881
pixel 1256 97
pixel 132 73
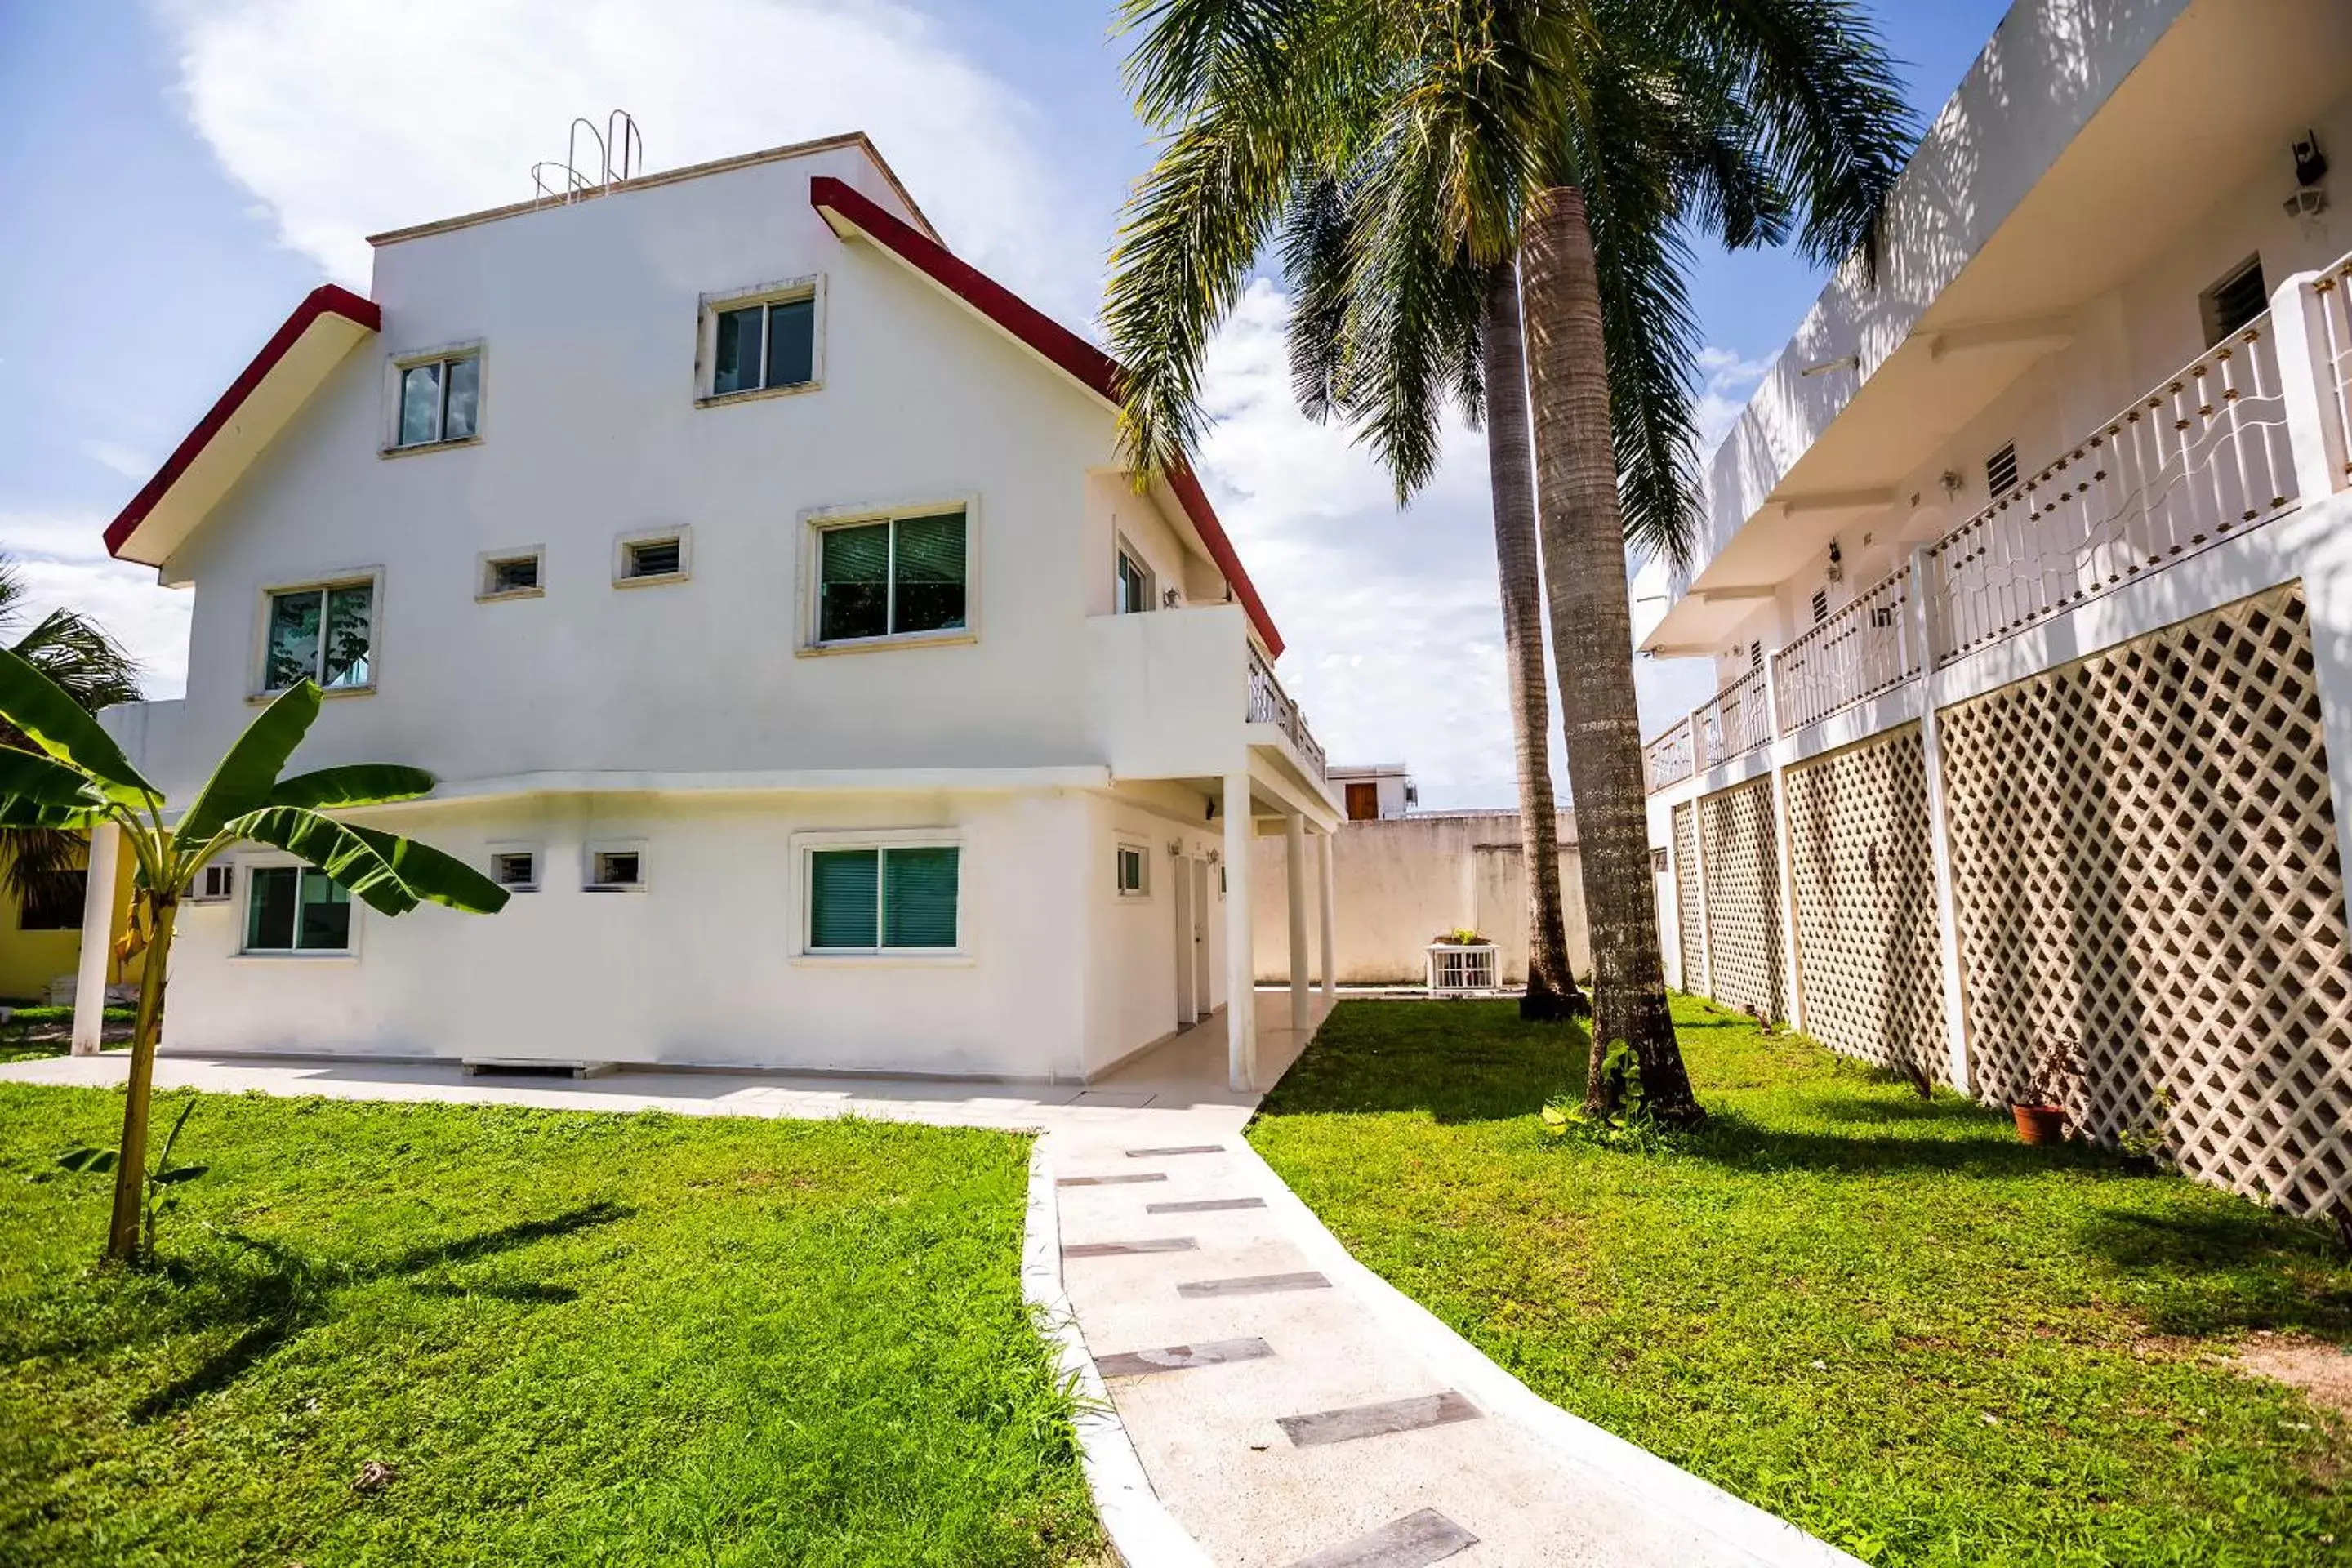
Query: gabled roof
pixel 290 366
pixel 850 212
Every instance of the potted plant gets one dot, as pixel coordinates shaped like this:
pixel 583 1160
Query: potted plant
pixel 2042 1115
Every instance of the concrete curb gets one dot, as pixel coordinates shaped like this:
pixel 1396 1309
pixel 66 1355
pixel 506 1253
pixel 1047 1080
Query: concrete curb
pixel 1765 1538
pixel 1142 1530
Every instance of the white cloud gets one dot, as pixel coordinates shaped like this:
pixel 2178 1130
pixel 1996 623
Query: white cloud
pixel 62 562
pixel 131 465
pixel 347 120
pixel 1729 382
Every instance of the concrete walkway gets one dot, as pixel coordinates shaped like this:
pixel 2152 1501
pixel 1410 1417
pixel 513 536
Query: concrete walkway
pixel 1286 1405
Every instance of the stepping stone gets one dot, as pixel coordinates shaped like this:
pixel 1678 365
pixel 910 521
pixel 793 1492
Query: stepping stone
pixel 1204 1205
pixel 1413 1542
pixel 1177 1358
pixel 1375 1420
pixel 1181 1149
pixel 1124 1248
pixel 1110 1181
pixel 1253 1285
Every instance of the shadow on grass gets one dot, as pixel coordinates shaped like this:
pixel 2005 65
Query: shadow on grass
pixel 289 1292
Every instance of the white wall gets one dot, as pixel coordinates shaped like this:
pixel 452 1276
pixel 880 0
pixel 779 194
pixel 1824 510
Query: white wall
pixel 700 967
pixel 1132 993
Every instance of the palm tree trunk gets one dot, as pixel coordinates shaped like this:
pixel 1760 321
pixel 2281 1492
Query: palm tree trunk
pixel 1593 643
pixel 122 1231
pixel 1551 992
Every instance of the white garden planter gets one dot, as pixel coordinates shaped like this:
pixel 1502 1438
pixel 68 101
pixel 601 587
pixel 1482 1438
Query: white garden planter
pixel 1462 969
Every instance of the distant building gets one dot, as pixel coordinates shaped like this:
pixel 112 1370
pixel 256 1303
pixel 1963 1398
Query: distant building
pixel 1374 791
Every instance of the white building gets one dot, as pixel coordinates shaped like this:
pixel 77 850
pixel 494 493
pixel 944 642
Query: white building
pixel 763 587
pixel 2029 578
pixel 1373 792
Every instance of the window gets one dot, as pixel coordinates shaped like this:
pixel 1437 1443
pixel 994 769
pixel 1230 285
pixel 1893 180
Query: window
pixel 619 869
pixel 213 886
pixel 513 574
pixel 440 400
pixel 515 869
pixel 1657 860
pixel 2000 470
pixel 1882 617
pixel 295 908
pixel 645 558
pixel 55 903
pixel 322 634
pixel 763 345
pixel 2234 302
pixel 1132 861
pixel 883 900
pixel 1821 605
pixel 904 576
pixel 1132 592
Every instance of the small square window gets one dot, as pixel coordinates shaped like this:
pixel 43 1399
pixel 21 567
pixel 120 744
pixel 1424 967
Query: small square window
pixel 896 577
pixel 213 885
pixel 295 908
pixel 2235 302
pixel 516 869
pixel 615 871
pixel 440 400
pixel 323 634
pixel 763 345
pixel 55 904
pixel 652 558
pixel 509 576
pixel 1131 591
pixel 1132 874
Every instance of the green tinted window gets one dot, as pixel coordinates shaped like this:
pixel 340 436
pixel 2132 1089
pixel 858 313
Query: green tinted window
pixel 843 903
pixel 918 897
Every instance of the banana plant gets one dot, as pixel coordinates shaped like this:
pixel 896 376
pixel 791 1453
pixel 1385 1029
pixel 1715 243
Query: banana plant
pixel 79 779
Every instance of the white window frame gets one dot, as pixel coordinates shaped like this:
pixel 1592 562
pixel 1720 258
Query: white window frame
pixel 1122 848
pixel 817 522
pixel 241 901
pixel 498 848
pixel 198 891
pixel 398 364
pixel 622 546
pixel 706 340
pixel 485 592
pixel 1122 549
pixel 808 842
pixel 602 847
pixel 258 686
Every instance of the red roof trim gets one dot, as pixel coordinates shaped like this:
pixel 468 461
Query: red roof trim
pixel 1089 365
pixel 328 298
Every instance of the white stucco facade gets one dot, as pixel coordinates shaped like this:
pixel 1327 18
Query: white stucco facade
pixel 702 719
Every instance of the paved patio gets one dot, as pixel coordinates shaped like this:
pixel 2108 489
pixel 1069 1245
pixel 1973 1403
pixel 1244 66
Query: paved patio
pixel 1286 1405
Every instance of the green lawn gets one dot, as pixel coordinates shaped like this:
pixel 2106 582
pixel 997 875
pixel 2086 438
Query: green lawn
pixel 1881 1317
pixel 41 1030
pixel 574 1339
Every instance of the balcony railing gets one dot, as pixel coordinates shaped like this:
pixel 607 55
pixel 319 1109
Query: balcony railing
pixel 1735 722
pixel 2331 303
pixel 1668 759
pixel 1270 704
pixel 1863 649
pixel 2200 456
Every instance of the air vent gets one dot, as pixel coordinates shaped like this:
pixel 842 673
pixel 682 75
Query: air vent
pixel 2234 302
pixel 1821 605
pixel 1756 655
pixel 2000 470
pixel 652 558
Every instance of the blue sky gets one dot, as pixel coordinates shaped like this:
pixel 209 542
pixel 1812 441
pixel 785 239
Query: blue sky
pixel 178 173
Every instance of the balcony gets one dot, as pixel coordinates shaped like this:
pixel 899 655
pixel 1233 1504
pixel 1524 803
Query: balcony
pixel 2207 454
pixel 1185 694
pixel 1270 704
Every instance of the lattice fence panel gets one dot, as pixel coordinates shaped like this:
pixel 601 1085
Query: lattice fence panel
pixel 1687 896
pixel 1743 949
pixel 1864 888
pixel 2144 851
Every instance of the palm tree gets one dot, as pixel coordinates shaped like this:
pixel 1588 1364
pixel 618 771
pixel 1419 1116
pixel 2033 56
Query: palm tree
pixel 40 867
pixel 75 778
pixel 1462 125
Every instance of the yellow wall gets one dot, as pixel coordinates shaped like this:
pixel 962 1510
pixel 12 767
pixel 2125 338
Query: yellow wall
pixel 29 960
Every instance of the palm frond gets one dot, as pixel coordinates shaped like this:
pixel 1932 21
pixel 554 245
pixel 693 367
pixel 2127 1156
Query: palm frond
pixel 78 654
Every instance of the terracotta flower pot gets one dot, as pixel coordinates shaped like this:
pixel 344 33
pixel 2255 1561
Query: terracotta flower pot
pixel 2040 1124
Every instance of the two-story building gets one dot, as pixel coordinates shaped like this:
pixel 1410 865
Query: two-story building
pixel 765 586
pixel 2028 575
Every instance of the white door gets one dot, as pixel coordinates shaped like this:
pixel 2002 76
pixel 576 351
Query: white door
pixel 1188 1001
pixel 1201 908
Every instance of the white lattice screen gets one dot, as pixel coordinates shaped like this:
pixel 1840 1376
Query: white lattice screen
pixel 2144 854
pixel 1744 948
pixel 1687 896
pixel 1864 890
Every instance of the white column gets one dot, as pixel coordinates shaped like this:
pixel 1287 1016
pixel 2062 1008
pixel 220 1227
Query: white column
pixel 2307 386
pixel 97 940
pixel 1241 959
pixel 1939 835
pixel 1792 985
pixel 1327 851
pixel 1293 867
